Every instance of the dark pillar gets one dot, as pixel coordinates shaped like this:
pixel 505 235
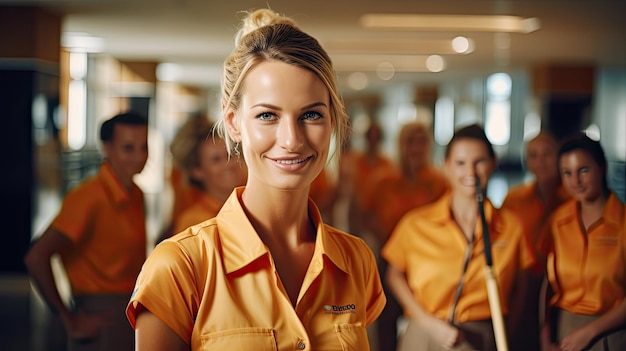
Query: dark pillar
pixel 565 92
pixel 29 89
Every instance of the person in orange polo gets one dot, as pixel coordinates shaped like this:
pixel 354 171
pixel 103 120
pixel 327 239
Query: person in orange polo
pixel 210 170
pixel 100 236
pixel 587 263
pixel 267 273
pixel 416 183
pixel 533 203
pixel 436 259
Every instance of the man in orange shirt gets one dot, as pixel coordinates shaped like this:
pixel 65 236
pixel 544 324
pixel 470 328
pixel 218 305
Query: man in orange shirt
pixel 100 236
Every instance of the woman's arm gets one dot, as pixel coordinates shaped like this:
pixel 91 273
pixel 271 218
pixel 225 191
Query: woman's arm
pixel 441 331
pixel 581 337
pixel 152 334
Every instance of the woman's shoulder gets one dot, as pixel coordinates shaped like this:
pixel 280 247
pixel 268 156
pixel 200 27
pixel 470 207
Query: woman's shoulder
pixel 343 237
pixel 197 240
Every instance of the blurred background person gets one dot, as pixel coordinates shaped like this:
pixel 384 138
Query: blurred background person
pixel 587 264
pixel 362 167
pixel 448 310
pixel 416 182
pixel 184 192
pixel 533 203
pixel 210 169
pixel 100 236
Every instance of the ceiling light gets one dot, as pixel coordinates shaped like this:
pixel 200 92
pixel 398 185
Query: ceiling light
pixel 82 42
pixel 391 46
pixel 480 23
pixel 462 45
pixel 401 63
pixel 357 81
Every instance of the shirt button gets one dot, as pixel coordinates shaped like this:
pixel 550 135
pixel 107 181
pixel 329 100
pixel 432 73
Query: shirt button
pixel 301 345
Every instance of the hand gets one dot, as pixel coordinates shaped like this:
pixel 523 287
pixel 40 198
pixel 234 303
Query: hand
pixel 578 340
pixel 443 333
pixel 544 339
pixel 85 327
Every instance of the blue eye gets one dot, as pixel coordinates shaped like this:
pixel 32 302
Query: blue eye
pixel 266 116
pixel 312 115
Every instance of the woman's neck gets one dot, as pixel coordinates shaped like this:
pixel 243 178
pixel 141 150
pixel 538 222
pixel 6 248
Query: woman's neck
pixel 465 213
pixel 280 217
pixel 591 211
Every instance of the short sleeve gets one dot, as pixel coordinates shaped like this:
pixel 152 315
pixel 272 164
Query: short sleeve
pixel 166 286
pixel 394 249
pixel 375 293
pixel 76 214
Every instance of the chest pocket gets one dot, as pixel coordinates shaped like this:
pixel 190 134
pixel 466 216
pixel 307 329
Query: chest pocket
pixel 261 339
pixel 352 337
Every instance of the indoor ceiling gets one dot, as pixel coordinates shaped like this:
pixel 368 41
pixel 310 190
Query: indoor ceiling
pixel 196 35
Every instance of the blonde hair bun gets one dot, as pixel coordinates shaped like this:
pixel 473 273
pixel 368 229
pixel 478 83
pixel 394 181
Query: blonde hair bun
pixel 261 18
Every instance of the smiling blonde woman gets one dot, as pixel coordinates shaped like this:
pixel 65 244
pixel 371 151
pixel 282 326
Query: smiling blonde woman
pixel 266 273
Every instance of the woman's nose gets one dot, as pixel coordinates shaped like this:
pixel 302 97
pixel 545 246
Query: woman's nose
pixel 289 134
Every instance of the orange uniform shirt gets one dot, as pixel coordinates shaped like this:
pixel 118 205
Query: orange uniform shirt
pixel 185 194
pixel 587 271
pixel 366 172
pixel 429 247
pixel 206 207
pixel 395 196
pixel 106 223
pixel 216 286
pixel 524 201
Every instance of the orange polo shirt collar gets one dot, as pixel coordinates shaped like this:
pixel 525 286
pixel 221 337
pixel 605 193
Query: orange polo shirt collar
pixel 246 247
pixel 613 212
pixel 442 213
pixel 118 193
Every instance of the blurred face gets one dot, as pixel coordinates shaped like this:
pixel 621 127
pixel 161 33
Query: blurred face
pixel 415 147
pixel 127 152
pixel 467 160
pixel 581 175
pixel 541 159
pixel 215 170
pixel 283 124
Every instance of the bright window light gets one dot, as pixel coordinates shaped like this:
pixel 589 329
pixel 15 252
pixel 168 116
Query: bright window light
pixel 593 132
pixel 77 115
pixel 444 120
pixel 498 122
pixel 78 65
pixel 532 125
pixel 499 86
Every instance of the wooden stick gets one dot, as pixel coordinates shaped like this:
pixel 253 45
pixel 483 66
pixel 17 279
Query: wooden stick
pixel 493 292
pixel 497 320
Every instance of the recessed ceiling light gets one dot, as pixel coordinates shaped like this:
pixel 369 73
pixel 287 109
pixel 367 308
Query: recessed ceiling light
pixel 469 23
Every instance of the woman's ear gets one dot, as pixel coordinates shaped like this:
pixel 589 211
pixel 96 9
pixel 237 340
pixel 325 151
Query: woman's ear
pixel 232 126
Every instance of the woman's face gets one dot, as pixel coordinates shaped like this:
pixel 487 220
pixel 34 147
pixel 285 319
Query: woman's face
pixel 541 159
pixel 468 159
pixel 283 124
pixel 216 170
pixel 581 175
